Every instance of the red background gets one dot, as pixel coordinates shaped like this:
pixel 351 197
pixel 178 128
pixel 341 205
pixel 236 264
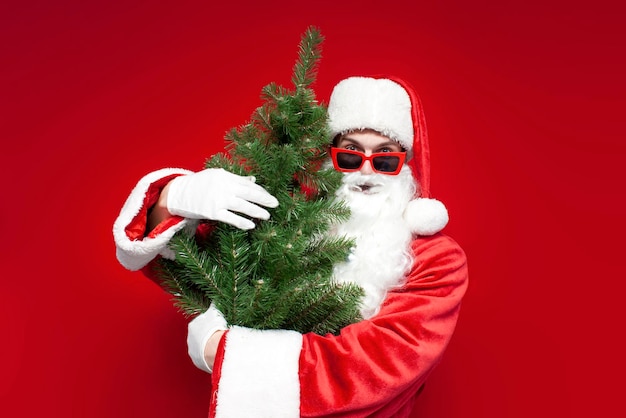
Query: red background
pixel 524 102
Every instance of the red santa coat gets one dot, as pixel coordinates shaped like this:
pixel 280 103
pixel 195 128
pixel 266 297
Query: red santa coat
pixel 373 368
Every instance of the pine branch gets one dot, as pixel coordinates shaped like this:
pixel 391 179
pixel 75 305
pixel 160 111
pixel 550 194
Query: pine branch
pixel 188 299
pixel 195 266
pixel 305 70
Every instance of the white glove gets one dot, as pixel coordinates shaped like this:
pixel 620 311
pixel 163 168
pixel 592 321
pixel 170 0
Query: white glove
pixel 215 194
pixel 199 330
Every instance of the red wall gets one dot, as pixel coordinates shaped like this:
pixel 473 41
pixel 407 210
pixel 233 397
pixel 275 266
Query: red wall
pixel 525 106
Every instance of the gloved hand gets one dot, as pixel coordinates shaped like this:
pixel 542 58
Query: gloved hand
pixel 215 194
pixel 199 330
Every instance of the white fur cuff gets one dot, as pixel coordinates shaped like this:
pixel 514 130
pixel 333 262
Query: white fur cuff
pixel 259 376
pixel 136 254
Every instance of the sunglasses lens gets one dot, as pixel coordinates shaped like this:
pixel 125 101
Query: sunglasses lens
pixel 386 164
pixel 348 161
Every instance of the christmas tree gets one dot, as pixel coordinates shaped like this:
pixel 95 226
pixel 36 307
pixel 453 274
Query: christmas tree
pixel 279 274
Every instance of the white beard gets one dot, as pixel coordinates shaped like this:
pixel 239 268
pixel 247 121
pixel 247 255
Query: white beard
pixel 382 256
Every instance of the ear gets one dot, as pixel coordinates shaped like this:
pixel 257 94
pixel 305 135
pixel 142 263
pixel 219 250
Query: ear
pixel 426 216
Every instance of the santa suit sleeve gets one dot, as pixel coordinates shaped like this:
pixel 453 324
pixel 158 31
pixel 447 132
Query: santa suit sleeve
pixel 135 248
pixel 373 368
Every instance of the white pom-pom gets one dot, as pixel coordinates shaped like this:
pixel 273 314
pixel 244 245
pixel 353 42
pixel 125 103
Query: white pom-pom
pixel 426 216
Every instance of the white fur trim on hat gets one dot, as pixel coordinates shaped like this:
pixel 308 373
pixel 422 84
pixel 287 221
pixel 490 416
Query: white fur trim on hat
pixel 136 254
pixel 259 376
pixel 370 103
pixel 426 216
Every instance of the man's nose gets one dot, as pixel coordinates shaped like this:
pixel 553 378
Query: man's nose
pixel 367 168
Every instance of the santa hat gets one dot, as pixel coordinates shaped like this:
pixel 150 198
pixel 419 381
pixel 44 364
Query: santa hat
pixel 390 106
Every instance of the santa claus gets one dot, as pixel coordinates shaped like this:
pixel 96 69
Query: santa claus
pixel 413 276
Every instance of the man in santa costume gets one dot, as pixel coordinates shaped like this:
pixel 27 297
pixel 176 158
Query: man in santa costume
pixel 413 276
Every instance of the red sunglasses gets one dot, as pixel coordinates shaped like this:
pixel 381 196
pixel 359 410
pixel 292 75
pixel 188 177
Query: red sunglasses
pixel 382 162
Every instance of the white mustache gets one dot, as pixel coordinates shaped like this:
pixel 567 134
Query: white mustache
pixel 356 181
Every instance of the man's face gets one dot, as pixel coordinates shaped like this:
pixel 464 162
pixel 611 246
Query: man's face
pixel 365 185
